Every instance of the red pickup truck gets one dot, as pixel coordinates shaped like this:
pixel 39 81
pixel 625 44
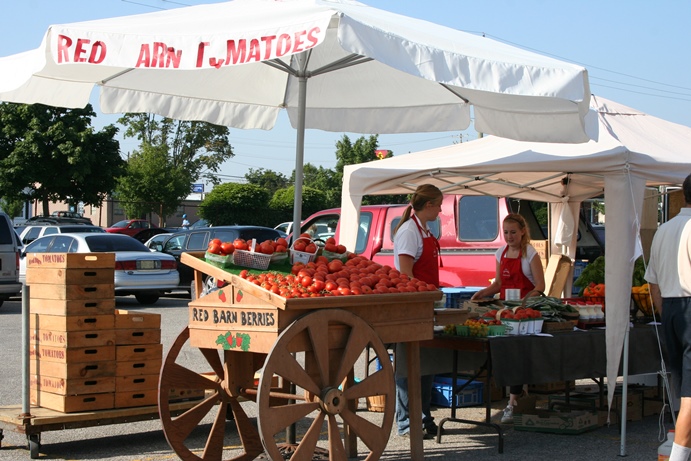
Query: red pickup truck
pixel 468 229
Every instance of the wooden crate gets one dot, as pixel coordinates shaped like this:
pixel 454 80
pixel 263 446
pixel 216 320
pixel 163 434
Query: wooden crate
pixel 134 336
pixel 73 338
pixel 76 386
pixel 70 292
pixel 72 306
pixel 71 260
pixel 141 398
pixel 58 276
pixel 72 370
pixel 136 320
pixel 138 367
pixel 72 354
pixel 139 352
pixel 71 322
pixel 72 403
pixel 136 383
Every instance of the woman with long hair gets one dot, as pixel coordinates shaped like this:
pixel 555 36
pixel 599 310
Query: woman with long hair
pixel 416 254
pixel 518 267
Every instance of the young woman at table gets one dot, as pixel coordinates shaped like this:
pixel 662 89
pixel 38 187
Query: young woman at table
pixel 416 254
pixel 518 267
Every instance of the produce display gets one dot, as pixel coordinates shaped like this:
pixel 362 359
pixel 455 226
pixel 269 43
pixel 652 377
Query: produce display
pixel 641 297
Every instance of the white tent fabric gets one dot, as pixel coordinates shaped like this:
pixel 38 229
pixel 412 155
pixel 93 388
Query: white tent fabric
pixel 232 64
pixel 628 151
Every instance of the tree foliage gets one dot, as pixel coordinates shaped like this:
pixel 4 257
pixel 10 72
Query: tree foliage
pixel 283 200
pixel 152 183
pixel 268 180
pixel 53 154
pixel 173 154
pixel 325 180
pixel 233 203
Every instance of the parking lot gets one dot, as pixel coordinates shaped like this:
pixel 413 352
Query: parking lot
pixel 144 441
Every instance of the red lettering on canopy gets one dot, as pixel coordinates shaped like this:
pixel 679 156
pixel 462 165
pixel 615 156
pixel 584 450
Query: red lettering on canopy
pixel 144 56
pixel 158 56
pixel 200 53
pixel 298 44
pixel 79 50
pixel 255 51
pixel 173 57
pixel 312 37
pixel 268 46
pixel 64 42
pixel 98 53
pixel 283 46
pixel 236 52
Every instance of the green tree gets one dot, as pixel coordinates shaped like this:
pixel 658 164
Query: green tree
pixel 282 202
pixel 13 207
pixel 322 179
pixel 233 203
pixel 152 183
pixel 268 180
pixel 55 155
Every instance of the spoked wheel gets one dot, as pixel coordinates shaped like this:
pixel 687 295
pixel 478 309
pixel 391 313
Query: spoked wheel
pixel 334 340
pixel 219 397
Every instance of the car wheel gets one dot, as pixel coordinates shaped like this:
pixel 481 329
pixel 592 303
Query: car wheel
pixel 147 299
pixel 208 286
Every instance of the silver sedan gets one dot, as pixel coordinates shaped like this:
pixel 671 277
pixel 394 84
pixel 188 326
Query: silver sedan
pixel 138 271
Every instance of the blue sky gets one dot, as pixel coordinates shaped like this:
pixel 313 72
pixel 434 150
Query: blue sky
pixel 636 53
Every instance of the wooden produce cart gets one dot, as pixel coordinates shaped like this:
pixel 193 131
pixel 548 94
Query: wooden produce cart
pixel 257 344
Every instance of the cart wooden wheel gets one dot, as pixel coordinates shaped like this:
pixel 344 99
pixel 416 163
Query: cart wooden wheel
pixel 334 340
pixel 219 396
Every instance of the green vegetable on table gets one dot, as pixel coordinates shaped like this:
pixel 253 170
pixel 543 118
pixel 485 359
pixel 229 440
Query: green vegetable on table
pixel 595 273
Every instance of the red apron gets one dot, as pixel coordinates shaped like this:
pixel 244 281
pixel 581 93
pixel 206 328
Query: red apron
pixel 426 268
pixel 512 275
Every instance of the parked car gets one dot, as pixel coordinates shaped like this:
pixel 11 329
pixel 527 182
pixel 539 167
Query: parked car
pixel 200 223
pixel 9 260
pixel 285 227
pixel 130 226
pixel 30 232
pixel 198 240
pixel 60 217
pixel 138 271
pixel 156 242
pixel 145 235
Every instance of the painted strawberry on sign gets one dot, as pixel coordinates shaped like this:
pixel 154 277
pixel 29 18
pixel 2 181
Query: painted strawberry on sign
pixel 238 296
pixel 222 296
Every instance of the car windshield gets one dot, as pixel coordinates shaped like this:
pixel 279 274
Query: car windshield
pixel 120 224
pixel 101 243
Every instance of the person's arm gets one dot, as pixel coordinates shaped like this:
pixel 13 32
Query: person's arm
pixel 491 290
pixel 406 262
pixel 657 296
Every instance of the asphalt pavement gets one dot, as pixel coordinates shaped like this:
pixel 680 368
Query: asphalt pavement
pixel 145 441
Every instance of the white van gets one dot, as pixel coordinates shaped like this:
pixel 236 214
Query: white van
pixel 9 260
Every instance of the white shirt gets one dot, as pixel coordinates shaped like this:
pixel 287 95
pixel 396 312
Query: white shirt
pixel 531 252
pixel 670 257
pixel 407 241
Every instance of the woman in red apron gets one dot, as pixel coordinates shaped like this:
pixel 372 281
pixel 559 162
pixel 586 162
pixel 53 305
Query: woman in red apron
pixel 519 268
pixel 416 254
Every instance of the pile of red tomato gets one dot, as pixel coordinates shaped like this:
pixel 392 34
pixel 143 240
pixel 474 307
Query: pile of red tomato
pixel 357 276
pixel 216 246
pixel 305 244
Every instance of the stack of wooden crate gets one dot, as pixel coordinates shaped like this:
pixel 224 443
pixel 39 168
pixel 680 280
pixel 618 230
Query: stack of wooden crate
pixel 72 350
pixel 138 356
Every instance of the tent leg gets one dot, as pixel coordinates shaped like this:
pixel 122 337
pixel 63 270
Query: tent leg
pixel 624 393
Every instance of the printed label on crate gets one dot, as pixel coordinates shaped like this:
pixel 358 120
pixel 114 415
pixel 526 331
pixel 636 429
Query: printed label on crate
pixel 73 338
pixel 71 260
pixel 261 319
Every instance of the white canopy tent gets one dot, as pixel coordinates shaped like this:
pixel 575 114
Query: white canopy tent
pixel 240 63
pixel 628 151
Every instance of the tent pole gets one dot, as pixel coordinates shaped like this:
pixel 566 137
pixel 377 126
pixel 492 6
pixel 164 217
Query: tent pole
pixel 624 392
pixel 300 147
